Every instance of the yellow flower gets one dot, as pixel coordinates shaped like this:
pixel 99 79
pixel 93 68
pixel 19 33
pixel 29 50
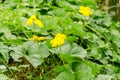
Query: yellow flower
pixel 33 19
pixel 86 11
pixel 36 38
pixel 39 23
pixel 30 20
pixel 58 40
pixel 62 36
pixel 41 38
pixel 54 42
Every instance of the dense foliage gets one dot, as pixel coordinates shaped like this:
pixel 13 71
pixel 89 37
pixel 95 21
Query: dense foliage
pixel 63 40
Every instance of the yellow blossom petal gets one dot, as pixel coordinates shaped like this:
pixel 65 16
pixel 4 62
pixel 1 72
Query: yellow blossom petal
pixel 58 40
pixel 62 36
pixel 41 38
pixel 54 42
pixel 86 11
pixel 33 19
pixel 30 20
pixel 36 38
pixel 39 23
pixel 31 38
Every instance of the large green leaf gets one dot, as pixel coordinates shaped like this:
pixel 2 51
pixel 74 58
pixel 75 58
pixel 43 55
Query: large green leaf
pixel 36 52
pixel 74 50
pixel 17 52
pixel 37 48
pixel 70 52
pixel 32 51
pixel 66 75
pixel 83 72
pixel 34 59
pixel 78 51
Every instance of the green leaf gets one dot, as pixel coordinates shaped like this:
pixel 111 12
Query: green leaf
pixel 44 50
pixel 78 51
pixel 36 48
pixel 74 50
pixel 32 47
pixel 70 52
pixel 32 51
pixel 78 30
pixel 34 59
pixel 104 77
pixel 62 68
pixel 95 67
pixel 52 23
pixel 7 33
pixel 38 2
pixel 72 38
pixel 66 75
pixel 4 51
pixel 3 77
pixel 94 51
pixel 56 12
pixel 107 20
pixel 115 37
pixel 17 52
pixel 66 5
pixel 90 3
pixel 36 52
pixel 83 72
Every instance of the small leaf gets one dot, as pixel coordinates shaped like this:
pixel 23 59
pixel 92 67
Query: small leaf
pixel 7 33
pixel 4 51
pixel 23 66
pixel 14 68
pixel 107 21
